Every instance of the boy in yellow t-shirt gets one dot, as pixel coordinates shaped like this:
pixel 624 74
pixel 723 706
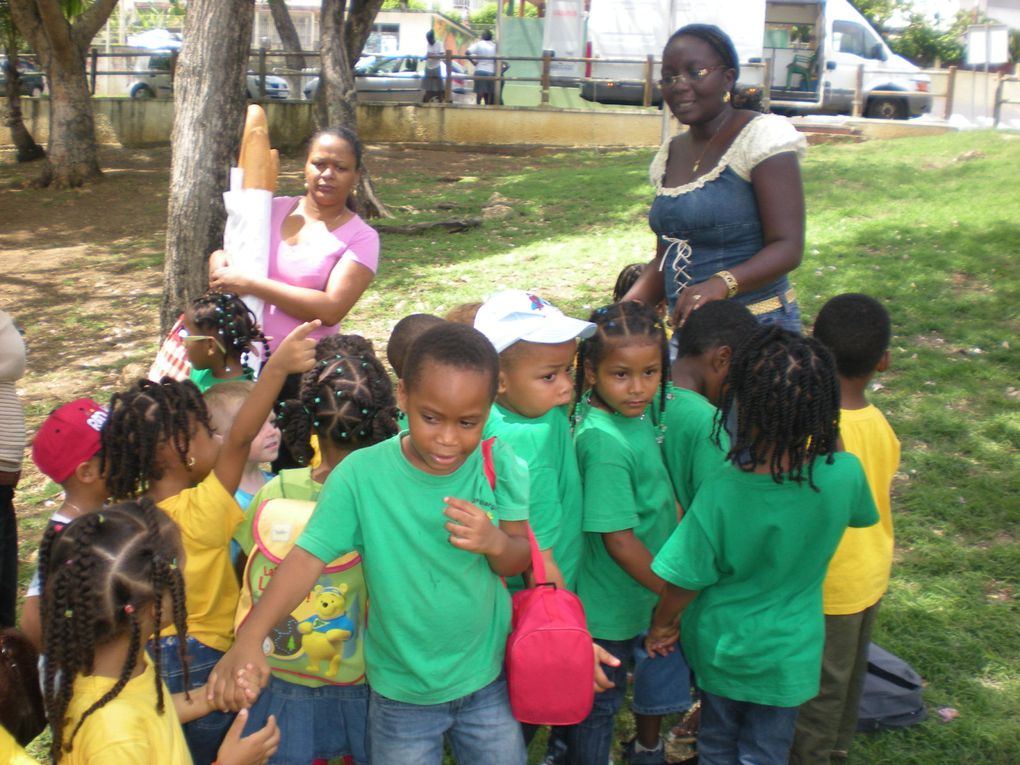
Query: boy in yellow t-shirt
pixel 856 329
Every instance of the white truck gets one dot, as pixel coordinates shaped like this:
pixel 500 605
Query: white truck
pixel 814 50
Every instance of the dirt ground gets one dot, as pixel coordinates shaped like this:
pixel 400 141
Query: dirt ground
pixel 81 270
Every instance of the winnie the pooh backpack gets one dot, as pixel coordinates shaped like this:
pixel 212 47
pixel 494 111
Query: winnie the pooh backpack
pixel 321 641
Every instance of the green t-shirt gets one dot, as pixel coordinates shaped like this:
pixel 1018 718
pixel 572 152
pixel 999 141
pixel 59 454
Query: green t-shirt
pixel 688 450
pixel 321 642
pixel 625 487
pixel 544 443
pixel 440 616
pixel 205 379
pixel 757 552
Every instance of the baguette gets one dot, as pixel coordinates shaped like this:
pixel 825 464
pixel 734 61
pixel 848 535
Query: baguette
pixel 257 159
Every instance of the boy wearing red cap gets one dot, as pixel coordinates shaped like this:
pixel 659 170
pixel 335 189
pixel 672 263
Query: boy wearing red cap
pixel 66 450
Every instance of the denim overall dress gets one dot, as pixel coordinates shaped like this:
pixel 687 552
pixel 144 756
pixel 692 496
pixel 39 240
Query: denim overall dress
pixel 711 224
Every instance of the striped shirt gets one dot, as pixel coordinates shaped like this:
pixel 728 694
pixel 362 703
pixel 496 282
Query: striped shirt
pixel 12 415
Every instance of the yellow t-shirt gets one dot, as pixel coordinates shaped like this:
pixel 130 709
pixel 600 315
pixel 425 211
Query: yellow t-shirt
pixel 11 753
pixel 859 571
pixel 127 729
pixel 207 516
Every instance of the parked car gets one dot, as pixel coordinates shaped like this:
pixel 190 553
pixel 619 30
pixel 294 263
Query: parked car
pixel 150 84
pixel 33 83
pixel 396 78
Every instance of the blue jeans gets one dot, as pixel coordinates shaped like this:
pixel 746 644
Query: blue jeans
pixel 739 732
pixel 661 686
pixel 479 727
pixel 205 734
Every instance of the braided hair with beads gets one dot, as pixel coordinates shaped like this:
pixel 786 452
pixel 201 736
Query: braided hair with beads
pixel 104 572
pixel 346 399
pixel 784 393
pixel 141 420
pixel 619 324
pixel 224 315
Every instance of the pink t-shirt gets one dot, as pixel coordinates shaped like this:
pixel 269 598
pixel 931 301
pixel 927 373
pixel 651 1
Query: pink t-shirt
pixel 309 263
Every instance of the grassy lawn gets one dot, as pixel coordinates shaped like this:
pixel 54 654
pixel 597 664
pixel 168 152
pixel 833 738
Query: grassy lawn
pixel 927 225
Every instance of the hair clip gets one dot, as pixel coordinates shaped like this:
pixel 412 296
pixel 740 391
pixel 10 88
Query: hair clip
pixel 129 609
pixel 101 517
pixel 315 423
pixel 318 400
pixel 68 613
pixel 343 434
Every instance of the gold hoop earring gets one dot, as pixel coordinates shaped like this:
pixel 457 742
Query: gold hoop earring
pixel 191 461
pixel 726 97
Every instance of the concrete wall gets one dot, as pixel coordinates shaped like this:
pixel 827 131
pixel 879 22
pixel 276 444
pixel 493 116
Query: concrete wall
pixel 141 122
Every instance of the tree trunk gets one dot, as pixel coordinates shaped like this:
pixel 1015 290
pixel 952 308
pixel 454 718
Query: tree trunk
pixel 209 117
pixel 291 43
pixel 337 102
pixel 359 26
pixel 27 148
pixel 60 46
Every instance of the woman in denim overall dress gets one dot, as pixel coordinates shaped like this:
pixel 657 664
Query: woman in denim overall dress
pixel 729 205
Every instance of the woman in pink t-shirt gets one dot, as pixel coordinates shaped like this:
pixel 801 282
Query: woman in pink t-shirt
pixel 322 255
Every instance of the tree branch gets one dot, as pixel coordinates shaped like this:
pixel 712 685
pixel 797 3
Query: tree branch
pixel 28 22
pixel 88 24
pixel 359 26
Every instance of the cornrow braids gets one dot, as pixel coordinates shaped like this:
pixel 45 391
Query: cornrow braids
pixel 224 315
pixel 103 569
pixel 346 398
pixel 141 420
pixel 785 394
pixel 616 324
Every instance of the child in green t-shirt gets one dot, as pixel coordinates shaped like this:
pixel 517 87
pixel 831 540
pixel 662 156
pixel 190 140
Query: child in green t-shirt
pixel 629 512
pixel 746 565
pixel 317 690
pixel 704 351
pixel 536 345
pixel 434 538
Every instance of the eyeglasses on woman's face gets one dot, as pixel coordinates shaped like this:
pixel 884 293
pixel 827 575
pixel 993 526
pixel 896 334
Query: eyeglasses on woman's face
pixel 688 77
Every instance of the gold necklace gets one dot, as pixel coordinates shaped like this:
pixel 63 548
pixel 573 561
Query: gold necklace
pixel 697 162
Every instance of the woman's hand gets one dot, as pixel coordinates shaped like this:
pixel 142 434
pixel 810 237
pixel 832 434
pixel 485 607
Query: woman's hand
pixel 693 296
pixel 230 279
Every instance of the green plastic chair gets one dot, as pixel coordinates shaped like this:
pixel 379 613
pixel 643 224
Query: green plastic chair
pixel 803 65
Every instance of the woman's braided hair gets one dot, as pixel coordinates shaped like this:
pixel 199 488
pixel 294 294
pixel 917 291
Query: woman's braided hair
pixel 224 315
pixel 621 323
pixel 103 570
pixel 785 394
pixel 141 420
pixel 346 399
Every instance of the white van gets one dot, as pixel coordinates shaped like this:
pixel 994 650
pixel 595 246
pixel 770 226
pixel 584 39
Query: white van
pixel 813 47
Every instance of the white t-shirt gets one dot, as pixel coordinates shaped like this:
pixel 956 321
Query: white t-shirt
pixel 482 51
pixel 435 49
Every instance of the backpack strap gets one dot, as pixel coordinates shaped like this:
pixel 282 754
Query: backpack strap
pixel 489 466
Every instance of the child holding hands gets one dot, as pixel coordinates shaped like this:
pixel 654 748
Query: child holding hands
pixel 158 442
pixel 434 538
pixel 745 567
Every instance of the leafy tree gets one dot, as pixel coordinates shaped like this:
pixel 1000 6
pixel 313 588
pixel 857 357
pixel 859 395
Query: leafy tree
pixel 60 32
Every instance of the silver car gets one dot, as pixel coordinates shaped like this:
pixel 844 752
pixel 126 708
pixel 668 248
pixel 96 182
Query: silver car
pixel 157 83
pixel 397 78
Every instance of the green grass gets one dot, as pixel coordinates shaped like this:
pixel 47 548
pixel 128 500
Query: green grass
pixel 928 225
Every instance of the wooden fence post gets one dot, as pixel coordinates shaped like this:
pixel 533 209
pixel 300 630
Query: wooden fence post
pixel 262 71
pixel 858 109
pixel 546 63
pixel 448 81
pixel 997 109
pixel 950 91
pixel 646 99
pixel 93 65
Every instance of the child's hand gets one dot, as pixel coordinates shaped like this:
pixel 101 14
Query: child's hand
pixel 296 353
pixel 250 750
pixel 661 641
pixel 470 528
pixel 602 656
pixel 237 678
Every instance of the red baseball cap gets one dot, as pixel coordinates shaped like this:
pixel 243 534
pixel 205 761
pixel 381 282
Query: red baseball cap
pixel 69 437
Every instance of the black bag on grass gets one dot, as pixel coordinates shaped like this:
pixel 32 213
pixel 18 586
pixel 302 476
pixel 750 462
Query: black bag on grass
pixel 892 693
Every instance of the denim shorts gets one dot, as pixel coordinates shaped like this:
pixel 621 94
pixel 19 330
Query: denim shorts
pixel 662 685
pixel 325 722
pixel 205 734
pixel 479 728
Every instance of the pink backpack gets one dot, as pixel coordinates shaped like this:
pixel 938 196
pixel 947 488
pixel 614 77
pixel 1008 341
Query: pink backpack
pixel 550 668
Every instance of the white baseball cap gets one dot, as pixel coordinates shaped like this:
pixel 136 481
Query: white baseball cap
pixel 513 315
